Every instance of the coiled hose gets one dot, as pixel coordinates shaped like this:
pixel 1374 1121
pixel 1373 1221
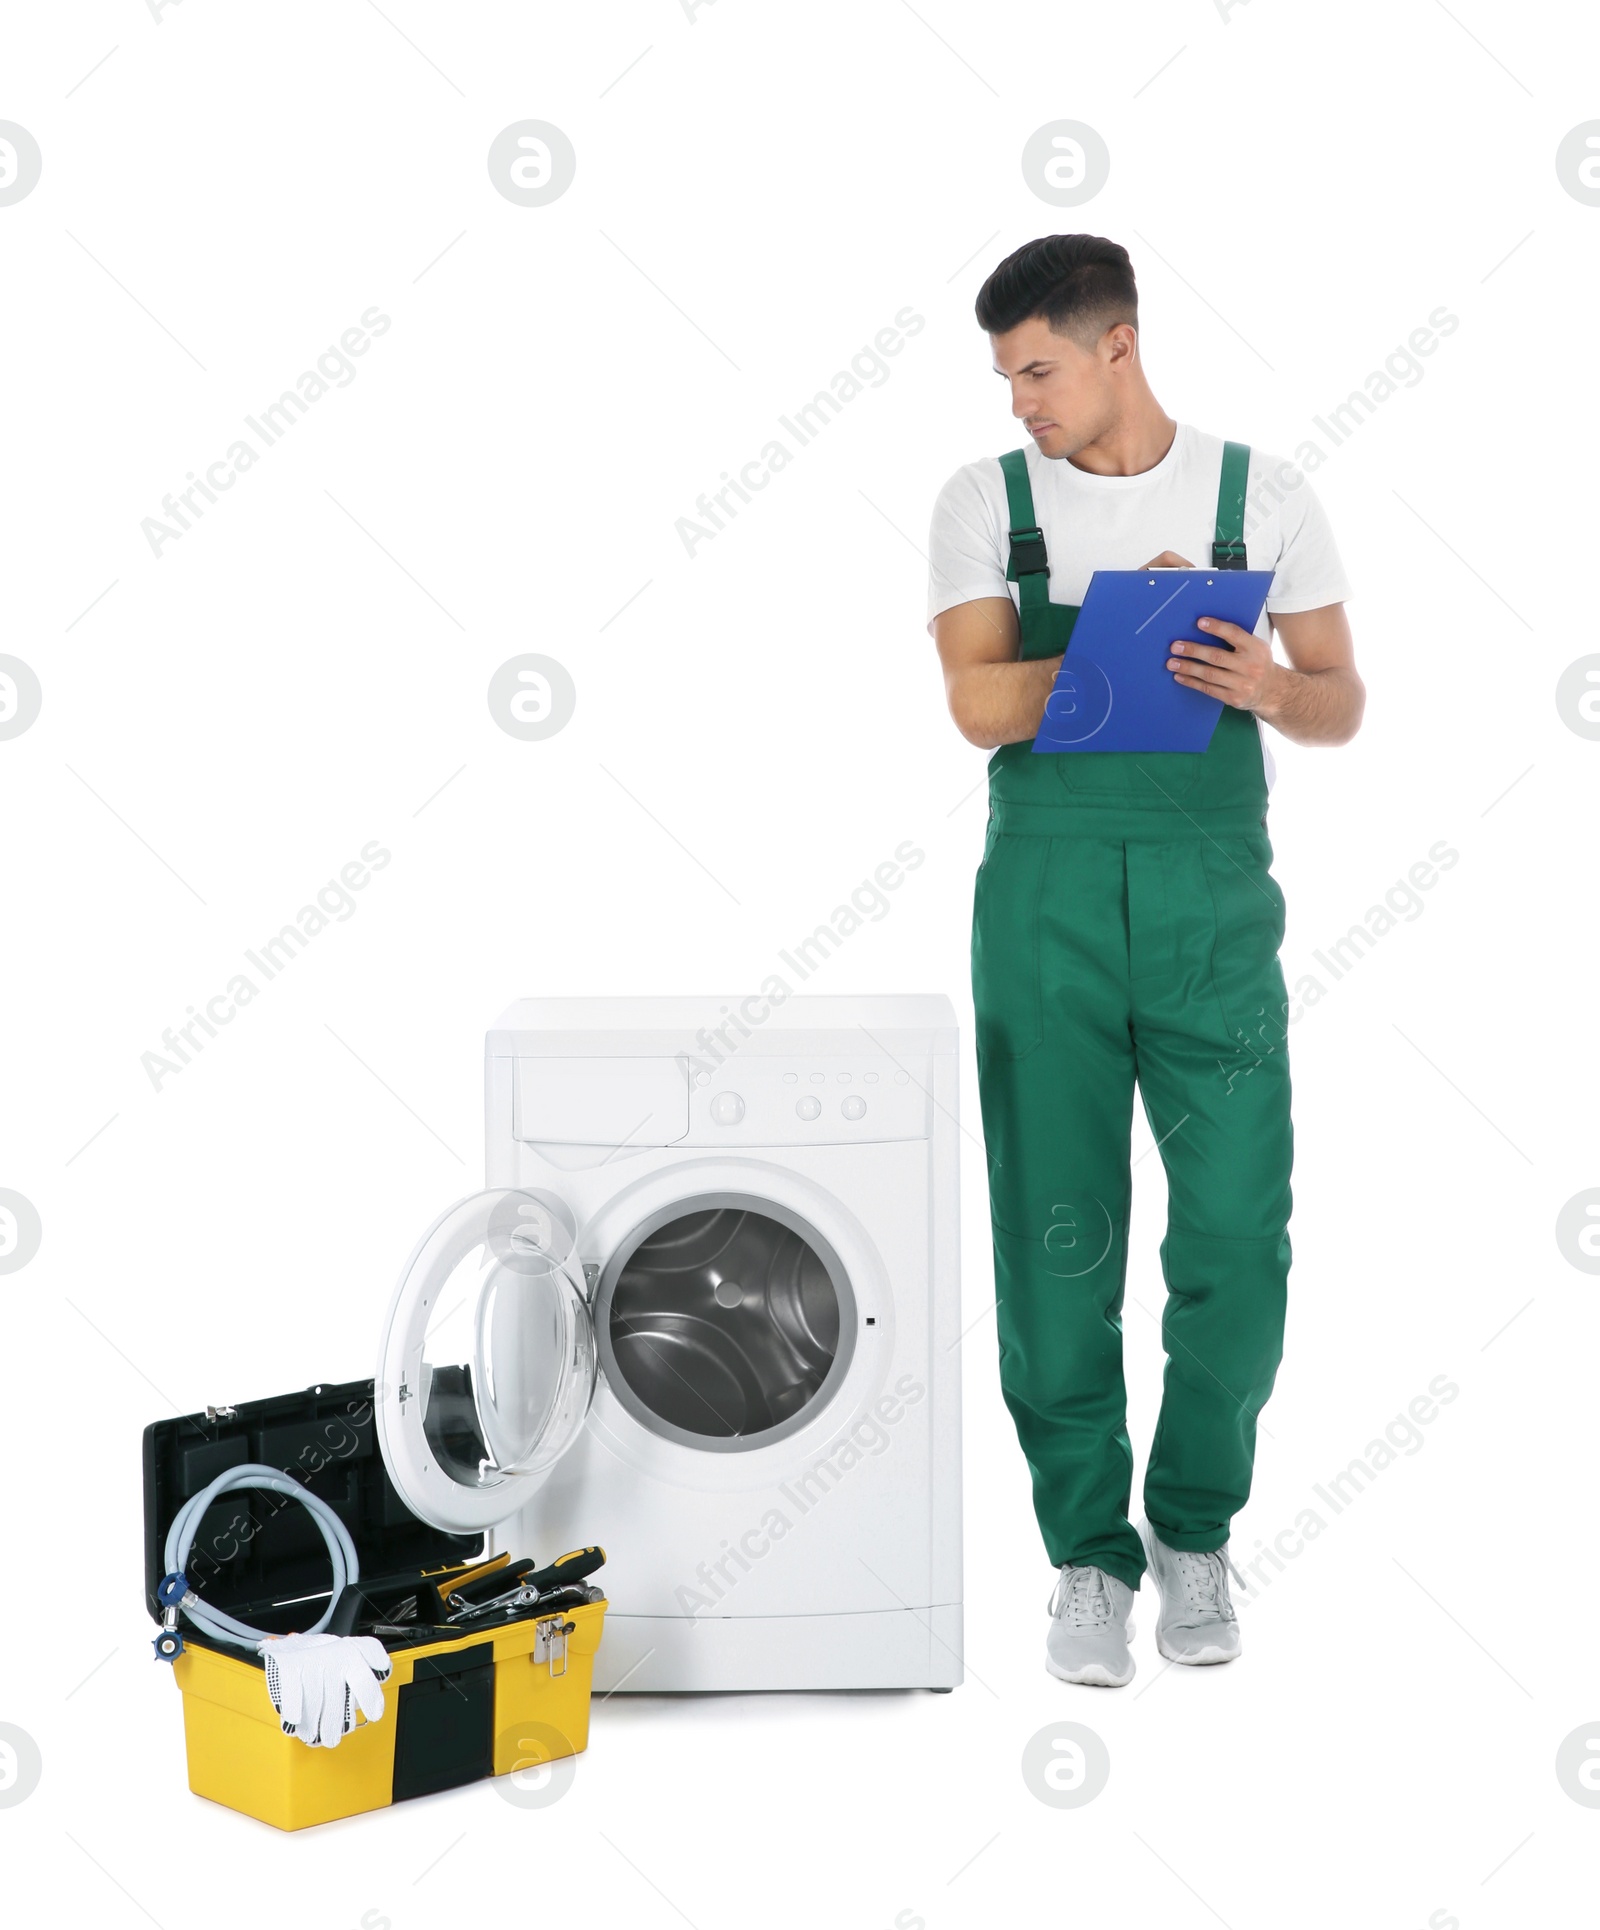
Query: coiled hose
pixel 180 1539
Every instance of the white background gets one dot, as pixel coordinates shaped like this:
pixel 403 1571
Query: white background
pixel 756 729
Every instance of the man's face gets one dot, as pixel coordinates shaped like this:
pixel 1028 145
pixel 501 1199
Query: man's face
pixel 1064 395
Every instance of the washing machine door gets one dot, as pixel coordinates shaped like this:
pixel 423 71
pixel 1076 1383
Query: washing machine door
pixel 488 1361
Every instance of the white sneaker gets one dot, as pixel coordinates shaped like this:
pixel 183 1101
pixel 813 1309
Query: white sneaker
pixel 1197 1623
pixel 1088 1639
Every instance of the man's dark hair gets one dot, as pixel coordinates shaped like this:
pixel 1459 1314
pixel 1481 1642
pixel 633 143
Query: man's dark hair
pixel 1081 285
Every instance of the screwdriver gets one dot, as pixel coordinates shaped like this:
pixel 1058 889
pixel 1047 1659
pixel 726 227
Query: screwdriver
pixel 566 1568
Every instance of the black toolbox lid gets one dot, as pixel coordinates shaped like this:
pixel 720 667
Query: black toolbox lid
pixel 254 1547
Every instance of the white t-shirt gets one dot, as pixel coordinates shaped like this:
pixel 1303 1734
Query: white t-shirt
pixel 1121 522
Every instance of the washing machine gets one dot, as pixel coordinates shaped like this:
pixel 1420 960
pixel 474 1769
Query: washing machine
pixel 706 1312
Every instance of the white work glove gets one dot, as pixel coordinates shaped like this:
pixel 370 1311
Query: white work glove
pixel 318 1682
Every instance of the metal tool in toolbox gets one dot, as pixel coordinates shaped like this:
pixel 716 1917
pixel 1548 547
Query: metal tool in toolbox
pixel 488 1593
pixel 558 1585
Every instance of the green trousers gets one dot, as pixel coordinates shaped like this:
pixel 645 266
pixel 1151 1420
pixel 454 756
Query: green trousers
pixel 1125 934
pixel 1100 963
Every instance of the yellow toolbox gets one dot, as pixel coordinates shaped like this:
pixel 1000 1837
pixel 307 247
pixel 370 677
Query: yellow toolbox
pixel 508 1695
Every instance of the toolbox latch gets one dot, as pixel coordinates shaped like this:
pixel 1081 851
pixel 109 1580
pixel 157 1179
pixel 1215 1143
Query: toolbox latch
pixel 550 1644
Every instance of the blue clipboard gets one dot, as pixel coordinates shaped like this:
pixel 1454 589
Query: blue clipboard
pixel 1114 691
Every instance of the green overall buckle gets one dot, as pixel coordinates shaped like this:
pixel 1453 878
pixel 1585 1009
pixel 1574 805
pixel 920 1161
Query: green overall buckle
pixel 1028 555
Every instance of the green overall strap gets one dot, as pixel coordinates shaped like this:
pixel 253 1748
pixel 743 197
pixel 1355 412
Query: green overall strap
pixel 1227 548
pixel 1027 564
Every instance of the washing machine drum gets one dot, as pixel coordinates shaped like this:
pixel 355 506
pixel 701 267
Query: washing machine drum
pixel 722 1325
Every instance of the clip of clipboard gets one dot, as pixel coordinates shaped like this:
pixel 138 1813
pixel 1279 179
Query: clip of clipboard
pixel 1113 691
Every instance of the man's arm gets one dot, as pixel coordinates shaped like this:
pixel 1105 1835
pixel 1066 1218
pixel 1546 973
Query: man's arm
pixel 1319 701
pixel 993 698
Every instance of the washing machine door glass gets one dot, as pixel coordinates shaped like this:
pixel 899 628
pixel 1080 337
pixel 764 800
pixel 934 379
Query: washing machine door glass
pixel 488 1361
pixel 725 1322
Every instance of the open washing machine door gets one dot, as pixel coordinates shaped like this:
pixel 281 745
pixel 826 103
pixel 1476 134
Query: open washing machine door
pixel 488 1362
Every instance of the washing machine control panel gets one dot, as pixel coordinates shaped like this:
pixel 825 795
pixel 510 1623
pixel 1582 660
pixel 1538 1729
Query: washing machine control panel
pixel 812 1101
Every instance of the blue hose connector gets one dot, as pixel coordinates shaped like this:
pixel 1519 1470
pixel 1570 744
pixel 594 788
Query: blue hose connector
pixel 171 1589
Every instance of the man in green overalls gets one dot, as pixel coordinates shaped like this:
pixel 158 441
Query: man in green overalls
pixel 1126 927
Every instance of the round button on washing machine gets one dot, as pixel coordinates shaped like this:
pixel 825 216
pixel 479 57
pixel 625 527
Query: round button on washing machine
pixel 727 1109
pixel 854 1107
pixel 808 1108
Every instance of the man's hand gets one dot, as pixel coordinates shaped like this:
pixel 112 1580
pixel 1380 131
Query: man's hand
pixel 1319 700
pixel 1244 676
